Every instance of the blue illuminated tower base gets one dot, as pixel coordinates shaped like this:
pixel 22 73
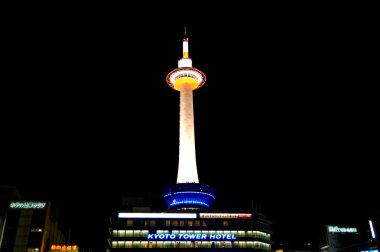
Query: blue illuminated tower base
pixel 189 195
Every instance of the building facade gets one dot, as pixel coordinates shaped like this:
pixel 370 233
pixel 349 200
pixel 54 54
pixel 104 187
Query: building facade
pixel 191 229
pixel 31 226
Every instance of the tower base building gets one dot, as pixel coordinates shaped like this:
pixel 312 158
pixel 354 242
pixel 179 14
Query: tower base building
pixel 190 230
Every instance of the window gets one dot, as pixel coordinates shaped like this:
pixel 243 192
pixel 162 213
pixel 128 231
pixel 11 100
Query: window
pixel 36 230
pixel 129 223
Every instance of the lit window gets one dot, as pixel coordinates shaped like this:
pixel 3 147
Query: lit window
pixel 36 230
pixel 129 223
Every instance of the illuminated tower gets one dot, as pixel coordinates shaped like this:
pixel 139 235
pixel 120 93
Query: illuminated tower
pixel 187 193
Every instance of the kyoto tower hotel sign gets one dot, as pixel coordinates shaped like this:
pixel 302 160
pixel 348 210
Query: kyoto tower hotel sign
pixel 187 193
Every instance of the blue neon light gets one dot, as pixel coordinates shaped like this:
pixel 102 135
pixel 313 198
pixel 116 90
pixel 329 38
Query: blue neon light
pixel 187 192
pixel 189 202
pixel 189 195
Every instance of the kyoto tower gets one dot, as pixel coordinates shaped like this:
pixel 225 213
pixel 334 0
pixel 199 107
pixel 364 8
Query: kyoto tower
pixel 187 192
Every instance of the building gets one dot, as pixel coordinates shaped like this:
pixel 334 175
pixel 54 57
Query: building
pixel 348 238
pixel 31 226
pixel 190 229
pixel 188 222
pixel 7 194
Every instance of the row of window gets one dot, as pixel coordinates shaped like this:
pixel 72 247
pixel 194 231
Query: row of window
pixel 144 233
pixel 176 223
pixel 185 74
pixel 32 250
pixel 191 244
pixel 36 230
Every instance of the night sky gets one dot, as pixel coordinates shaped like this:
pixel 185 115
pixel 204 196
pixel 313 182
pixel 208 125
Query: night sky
pixel 287 119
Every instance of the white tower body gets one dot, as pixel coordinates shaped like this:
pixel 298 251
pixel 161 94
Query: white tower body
pixel 185 79
pixel 187 166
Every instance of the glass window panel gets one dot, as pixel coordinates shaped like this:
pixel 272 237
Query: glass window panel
pixel 152 244
pixel 128 244
pixel 129 223
pixel 135 244
pixel 121 233
pixel 250 244
pixel 144 244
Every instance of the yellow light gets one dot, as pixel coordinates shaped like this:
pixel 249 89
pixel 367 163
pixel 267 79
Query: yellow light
pixel 185 80
pixel 64 247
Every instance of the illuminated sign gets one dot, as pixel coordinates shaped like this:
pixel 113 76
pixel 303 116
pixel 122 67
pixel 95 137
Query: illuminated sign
pixel 27 205
pixel 225 216
pixel 67 248
pixel 159 215
pixel 185 237
pixel 336 229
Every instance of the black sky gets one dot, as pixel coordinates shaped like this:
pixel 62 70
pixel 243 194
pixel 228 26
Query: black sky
pixel 287 117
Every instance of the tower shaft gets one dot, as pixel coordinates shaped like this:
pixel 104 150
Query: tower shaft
pixel 187 166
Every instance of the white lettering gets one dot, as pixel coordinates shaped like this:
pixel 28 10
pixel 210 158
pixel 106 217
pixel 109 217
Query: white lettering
pixel 336 229
pixel 191 236
pixel 27 205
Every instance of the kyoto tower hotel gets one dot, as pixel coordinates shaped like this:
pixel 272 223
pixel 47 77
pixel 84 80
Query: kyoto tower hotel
pixel 188 222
